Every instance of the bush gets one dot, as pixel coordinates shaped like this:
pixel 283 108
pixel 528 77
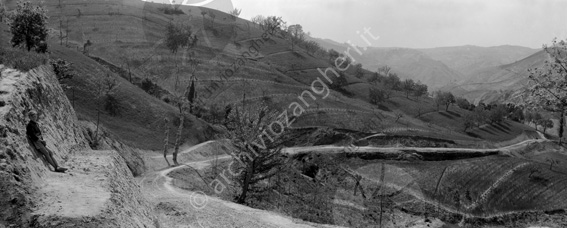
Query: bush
pixel 62 69
pixel 166 99
pixel 213 114
pixel 148 86
pixel 21 60
pixel 171 10
pixel 28 27
pixel 376 96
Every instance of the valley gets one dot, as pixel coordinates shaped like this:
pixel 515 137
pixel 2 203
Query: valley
pixel 190 115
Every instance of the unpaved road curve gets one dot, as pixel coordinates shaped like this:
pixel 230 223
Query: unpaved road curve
pixel 190 209
pixel 368 149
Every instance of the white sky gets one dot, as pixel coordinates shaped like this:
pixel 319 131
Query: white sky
pixel 422 23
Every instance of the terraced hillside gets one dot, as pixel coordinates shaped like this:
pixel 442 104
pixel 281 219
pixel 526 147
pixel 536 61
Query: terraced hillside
pixel 127 39
pixel 490 186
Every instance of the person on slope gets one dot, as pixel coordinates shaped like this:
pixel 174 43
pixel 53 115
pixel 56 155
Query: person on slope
pixel 34 134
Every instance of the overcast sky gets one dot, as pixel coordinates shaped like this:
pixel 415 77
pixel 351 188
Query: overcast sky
pixel 422 23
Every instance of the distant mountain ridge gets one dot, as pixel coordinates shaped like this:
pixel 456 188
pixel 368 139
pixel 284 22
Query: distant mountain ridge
pixel 407 63
pixel 476 73
pixel 503 83
pixel 469 59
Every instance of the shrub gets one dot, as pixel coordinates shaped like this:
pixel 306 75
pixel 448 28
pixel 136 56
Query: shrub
pixel 166 99
pixel 376 96
pixel 62 69
pixel 148 85
pixel 28 27
pixel 213 114
pixel 171 10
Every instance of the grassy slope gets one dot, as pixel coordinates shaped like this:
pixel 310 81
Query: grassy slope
pixel 140 121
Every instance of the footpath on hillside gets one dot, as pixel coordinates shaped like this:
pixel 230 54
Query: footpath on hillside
pixel 181 208
pixel 96 191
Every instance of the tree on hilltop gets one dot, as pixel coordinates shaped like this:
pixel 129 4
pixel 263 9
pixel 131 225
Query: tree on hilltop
pixel 444 98
pixel 358 71
pixel 28 27
pixel 408 86
pixel 234 15
pixel 468 121
pixel 419 90
pixel 546 123
pixel 463 103
pixel 333 55
pixel 497 114
pixel 376 96
pixel 312 47
pixel 177 36
pixel 213 16
pixel 258 20
pixel 296 35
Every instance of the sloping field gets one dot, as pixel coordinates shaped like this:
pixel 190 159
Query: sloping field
pixel 481 187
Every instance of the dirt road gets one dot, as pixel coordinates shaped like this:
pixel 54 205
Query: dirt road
pixel 182 208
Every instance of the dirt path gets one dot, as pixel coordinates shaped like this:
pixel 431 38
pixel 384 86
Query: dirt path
pixel 340 149
pixel 182 208
pixel 96 191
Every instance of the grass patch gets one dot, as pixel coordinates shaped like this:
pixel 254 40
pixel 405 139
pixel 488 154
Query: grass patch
pixel 20 59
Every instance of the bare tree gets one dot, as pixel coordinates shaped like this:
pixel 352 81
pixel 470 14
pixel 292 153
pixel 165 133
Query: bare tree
pixel 258 20
pixel 234 15
pixel 126 60
pixel 61 36
pixel 106 87
pixel 408 86
pixel 166 141
pixel 203 13
pixel 548 89
pixel 213 16
pixel 178 138
pixel 256 150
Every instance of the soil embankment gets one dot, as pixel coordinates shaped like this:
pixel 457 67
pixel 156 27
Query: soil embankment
pixel 97 190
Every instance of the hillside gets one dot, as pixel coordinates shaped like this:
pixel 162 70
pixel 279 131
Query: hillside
pixel 469 60
pixel 139 117
pixel 127 43
pixel 500 83
pixel 407 63
pixel 412 64
pixel 443 67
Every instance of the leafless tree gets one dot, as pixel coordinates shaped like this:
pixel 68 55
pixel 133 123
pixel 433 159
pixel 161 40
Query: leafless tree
pixel 548 83
pixel 257 148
